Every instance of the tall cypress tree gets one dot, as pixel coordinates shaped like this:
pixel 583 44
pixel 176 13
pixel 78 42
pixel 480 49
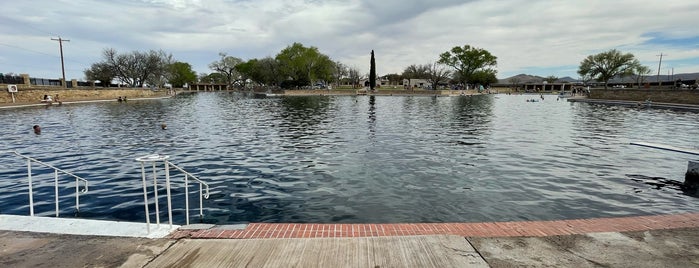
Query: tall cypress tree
pixel 372 72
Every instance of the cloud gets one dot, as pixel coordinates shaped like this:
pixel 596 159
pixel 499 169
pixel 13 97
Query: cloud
pixel 537 37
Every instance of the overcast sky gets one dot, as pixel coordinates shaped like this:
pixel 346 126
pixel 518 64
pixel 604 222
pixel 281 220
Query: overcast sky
pixel 527 36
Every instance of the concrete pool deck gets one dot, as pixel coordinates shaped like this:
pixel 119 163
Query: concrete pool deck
pixel 641 241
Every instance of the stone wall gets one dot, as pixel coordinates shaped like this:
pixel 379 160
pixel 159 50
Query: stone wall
pixel 685 96
pixel 28 95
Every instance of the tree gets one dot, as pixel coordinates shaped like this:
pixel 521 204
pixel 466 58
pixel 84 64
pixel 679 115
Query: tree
pixel 515 82
pixel 393 79
pixel 640 72
pixel 303 65
pixel 436 74
pixel 551 79
pixel 246 70
pixel 269 70
pixel 100 71
pixel 181 73
pixel 160 62
pixel 213 78
pixel 372 72
pixel 483 77
pixel 416 72
pixel 137 68
pixel 606 65
pixel 355 77
pixel 226 67
pixel 339 71
pixel 468 60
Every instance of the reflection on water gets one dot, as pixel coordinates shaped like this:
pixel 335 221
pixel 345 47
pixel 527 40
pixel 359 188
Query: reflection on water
pixel 358 158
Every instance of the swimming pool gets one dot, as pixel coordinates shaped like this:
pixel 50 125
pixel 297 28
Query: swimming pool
pixel 359 158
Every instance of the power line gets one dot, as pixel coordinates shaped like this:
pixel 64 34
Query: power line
pixel 38 52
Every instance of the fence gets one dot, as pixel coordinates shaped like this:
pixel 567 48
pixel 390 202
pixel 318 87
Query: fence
pixel 11 79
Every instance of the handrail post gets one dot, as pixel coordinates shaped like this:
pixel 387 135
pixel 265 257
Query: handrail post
pixel 55 188
pixel 167 190
pixel 155 191
pixel 201 202
pixel 77 194
pixel 31 191
pixel 186 198
pixel 145 195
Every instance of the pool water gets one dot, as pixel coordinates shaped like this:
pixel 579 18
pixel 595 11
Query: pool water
pixel 357 159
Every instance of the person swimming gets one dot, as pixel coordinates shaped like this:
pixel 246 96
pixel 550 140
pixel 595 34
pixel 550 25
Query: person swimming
pixel 37 129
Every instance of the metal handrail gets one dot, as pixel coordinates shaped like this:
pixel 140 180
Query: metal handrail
pixel 186 191
pixel 167 164
pixel 55 172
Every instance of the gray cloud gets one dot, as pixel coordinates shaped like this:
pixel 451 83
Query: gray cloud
pixel 526 36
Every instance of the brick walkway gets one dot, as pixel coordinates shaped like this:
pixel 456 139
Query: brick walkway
pixel 484 229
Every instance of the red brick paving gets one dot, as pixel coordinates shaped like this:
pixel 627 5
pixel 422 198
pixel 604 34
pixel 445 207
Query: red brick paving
pixel 480 229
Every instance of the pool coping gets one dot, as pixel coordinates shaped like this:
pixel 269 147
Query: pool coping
pixel 465 229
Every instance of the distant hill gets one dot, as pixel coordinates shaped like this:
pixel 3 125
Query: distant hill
pixel 521 79
pixel 528 79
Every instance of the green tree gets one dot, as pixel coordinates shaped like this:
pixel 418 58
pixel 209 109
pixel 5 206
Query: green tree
pixel 606 65
pixel 246 70
pixel 483 77
pixel 269 71
pixel 226 67
pixel 100 71
pixel 467 61
pixel 372 72
pixel 303 65
pixel 551 79
pixel 212 78
pixel 181 73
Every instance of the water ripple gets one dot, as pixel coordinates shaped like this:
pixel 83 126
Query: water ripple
pixel 355 158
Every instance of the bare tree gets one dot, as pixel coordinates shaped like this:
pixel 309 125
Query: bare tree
pixel 354 76
pixel 515 82
pixel 137 68
pixel 640 73
pixel 339 71
pixel 437 73
pixel 416 72
pixel 226 67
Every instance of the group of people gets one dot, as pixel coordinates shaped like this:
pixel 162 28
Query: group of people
pixel 47 98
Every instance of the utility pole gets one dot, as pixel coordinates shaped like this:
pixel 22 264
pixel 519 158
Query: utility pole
pixel 661 61
pixel 60 45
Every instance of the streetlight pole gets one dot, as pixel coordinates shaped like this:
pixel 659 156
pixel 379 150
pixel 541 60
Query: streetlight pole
pixel 60 45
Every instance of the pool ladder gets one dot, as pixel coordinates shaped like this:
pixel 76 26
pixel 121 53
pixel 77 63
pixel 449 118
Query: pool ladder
pixel 153 161
pixel 56 171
